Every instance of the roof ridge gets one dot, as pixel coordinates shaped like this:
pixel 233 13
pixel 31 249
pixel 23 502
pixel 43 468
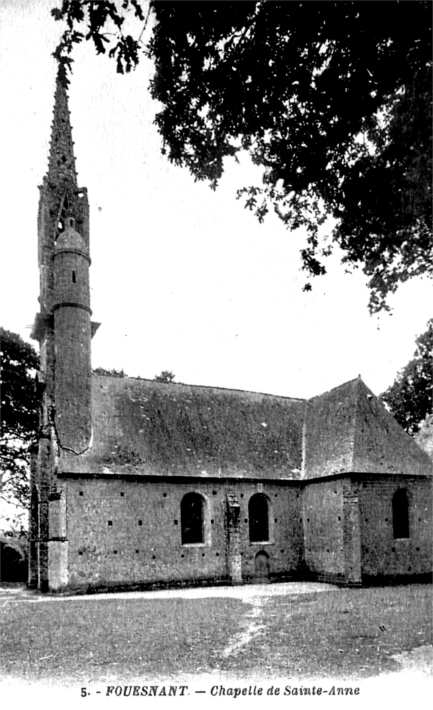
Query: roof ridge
pixel 356 420
pixel 343 384
pixel 209 387
pixel 374 420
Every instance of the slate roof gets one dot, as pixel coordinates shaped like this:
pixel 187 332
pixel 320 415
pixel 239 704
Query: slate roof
pixel 348 430
pixel 330 431
pixel 143 427
pixel 152 428
pixel 70 239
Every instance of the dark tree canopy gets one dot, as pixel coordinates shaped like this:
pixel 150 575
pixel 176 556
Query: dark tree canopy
pixel 19 416
pixel 165 376
pixel 410 398
pixel 332 99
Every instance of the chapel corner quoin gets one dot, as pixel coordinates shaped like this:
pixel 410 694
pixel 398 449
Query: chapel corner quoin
pixel 138 483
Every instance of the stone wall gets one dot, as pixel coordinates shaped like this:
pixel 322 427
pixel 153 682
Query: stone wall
pixel 126 531
pixel 382 556
pixel 122 532
pixel 323 514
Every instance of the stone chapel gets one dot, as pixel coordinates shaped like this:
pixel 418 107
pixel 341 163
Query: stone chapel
pixel 138 483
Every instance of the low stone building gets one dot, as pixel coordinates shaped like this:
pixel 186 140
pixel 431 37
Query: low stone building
pixel 139 483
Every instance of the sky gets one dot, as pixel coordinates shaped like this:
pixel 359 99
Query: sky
pixel 183 278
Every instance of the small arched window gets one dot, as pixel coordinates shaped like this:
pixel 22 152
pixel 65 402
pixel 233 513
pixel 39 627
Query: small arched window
pixel 192 519
pixel 258 515
pixel 400 513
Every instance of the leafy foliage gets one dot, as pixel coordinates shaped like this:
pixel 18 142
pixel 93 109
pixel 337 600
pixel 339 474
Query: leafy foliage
pixel 19 416
pixel 13 556
pixel 332 99
pixel 410 398
pixel 98 16
pixel 165 376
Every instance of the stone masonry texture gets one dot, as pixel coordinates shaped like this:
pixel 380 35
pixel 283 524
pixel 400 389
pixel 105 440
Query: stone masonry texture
pixel 117 455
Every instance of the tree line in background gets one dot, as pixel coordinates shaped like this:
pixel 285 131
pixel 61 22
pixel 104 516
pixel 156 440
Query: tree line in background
pixel 331 99
pixel 409 399
pixel 19 422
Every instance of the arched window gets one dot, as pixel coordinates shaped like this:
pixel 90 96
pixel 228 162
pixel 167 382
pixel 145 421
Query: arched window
pixel 192 519
pixel 400 513
pixel 258 514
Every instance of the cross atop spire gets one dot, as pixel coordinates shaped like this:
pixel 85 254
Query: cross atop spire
pixel 61 163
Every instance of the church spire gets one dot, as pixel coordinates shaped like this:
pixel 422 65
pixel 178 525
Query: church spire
pixel 63 326
pixel 61 162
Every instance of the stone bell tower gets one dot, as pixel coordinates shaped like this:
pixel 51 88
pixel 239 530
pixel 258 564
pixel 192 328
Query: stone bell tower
pixel 64 330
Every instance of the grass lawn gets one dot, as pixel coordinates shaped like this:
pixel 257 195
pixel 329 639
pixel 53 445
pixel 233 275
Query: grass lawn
pixel 343 633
